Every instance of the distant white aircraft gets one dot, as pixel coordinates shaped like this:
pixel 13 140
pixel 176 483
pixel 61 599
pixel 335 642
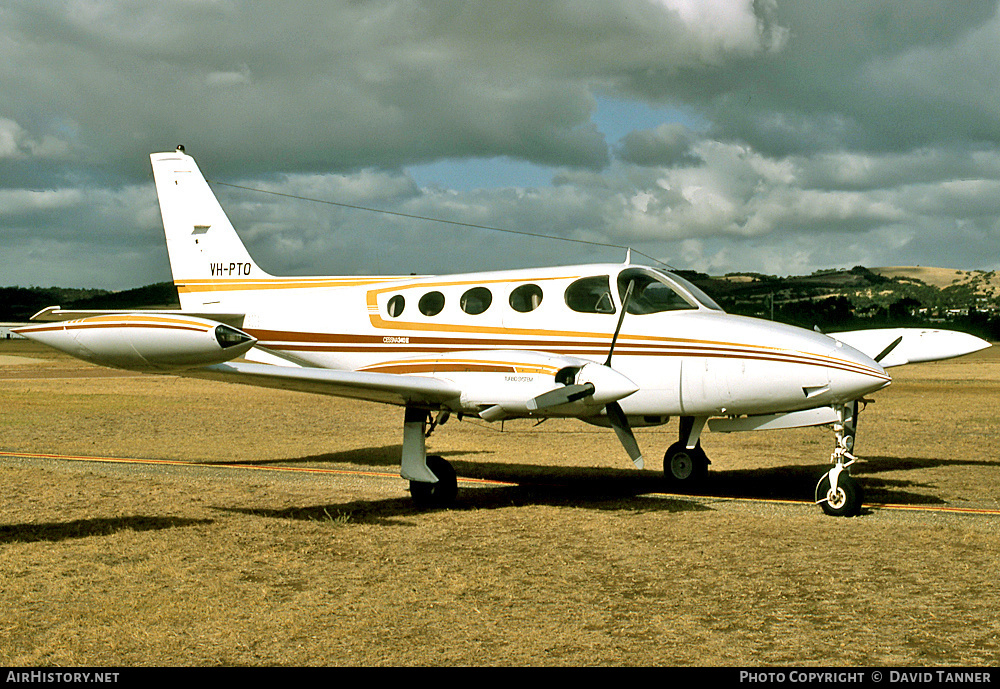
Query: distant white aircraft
pixel 617 345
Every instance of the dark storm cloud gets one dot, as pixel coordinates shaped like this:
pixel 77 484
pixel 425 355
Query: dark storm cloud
pixel 794 135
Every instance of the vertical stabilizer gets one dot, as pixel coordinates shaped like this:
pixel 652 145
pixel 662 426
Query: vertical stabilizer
pixel 207 257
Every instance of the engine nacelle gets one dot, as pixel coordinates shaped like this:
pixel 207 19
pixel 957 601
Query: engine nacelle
pixel 499 384
pixel 144 341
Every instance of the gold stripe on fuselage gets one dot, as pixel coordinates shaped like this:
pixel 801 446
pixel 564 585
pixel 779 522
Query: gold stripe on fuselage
pixel 239 284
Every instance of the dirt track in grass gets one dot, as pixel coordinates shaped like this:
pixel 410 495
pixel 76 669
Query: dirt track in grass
pixel 559 555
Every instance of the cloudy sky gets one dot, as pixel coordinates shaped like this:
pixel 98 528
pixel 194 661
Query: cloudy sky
pixel 776 136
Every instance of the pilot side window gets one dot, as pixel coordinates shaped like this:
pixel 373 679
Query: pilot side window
pixel 431 303
pixel 526 298
pixel 395 306
pixel 590 295
pixel 476 300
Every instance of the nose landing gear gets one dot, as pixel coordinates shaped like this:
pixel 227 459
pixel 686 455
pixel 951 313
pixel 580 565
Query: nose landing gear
pixel 838 493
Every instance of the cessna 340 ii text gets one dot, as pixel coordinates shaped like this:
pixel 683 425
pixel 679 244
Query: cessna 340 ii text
pixel 616 345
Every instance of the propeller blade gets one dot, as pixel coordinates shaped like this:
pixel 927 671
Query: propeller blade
pixel 621 319
pixel 620 423
pixel 561 395
pixel 885 352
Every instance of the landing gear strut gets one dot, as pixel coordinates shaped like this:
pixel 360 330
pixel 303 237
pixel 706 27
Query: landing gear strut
pixel 838 493
pixel 432 478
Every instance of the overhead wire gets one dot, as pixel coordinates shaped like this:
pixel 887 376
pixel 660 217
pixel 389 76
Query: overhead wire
pixel 459 223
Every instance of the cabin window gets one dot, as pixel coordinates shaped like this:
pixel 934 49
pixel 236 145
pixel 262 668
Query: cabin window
pixel 650 295
pixel 476 300
pixel 590 295
pixel 431 303
pixel 395 306
pixel 526 298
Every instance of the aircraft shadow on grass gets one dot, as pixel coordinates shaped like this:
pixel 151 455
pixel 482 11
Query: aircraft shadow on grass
pixel 600 488
pixel 385 457
pixel 82 528
pixel 400 511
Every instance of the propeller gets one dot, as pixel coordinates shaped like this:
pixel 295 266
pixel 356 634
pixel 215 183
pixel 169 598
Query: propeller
pixel 616 416
pixel 563 395
pixel 885 352
pixel 619 422
pixel 576 391
pixel 621 319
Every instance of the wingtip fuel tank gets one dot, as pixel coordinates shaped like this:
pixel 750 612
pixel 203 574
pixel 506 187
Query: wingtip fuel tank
pixel 144 342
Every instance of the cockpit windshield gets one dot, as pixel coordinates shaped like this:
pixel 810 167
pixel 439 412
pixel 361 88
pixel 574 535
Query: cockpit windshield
pixel 655 292
pixel 697 293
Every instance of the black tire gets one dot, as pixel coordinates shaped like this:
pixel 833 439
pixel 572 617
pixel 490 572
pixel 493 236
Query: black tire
pixel 684 467
pixel 848 499
pixel 438 494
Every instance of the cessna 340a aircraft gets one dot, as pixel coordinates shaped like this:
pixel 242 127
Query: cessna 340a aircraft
pixel 617 345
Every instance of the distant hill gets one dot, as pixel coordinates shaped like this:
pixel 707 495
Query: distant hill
pixel 21 303
pixel 159 295
pixel 864 298
pixel 985 282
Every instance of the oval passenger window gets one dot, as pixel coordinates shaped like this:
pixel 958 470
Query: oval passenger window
pixel 395 306
pixel 431 303
pixel 526 298
pixel 476 300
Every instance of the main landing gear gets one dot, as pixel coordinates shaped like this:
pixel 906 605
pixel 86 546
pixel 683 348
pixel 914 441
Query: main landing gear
pixel 838 493
pixel 433 482
pixel 685 463
pixel 437 494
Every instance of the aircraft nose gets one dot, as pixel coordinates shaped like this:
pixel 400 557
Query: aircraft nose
pixel 855 374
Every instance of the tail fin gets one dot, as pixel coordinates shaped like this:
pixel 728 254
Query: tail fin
pixel 207 257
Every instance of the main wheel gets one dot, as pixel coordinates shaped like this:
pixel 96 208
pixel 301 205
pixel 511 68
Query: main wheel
pixel 436 494
pixel 845 501
pixel 682 466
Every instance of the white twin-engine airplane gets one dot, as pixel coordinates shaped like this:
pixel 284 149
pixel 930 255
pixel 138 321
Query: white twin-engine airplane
pixel 617 345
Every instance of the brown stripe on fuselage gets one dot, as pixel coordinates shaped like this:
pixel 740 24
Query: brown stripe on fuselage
pixel 332 342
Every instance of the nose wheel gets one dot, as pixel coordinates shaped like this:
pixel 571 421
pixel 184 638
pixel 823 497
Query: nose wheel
pixel 840 499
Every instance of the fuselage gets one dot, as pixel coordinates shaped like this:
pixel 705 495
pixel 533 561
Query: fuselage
pixel 511 329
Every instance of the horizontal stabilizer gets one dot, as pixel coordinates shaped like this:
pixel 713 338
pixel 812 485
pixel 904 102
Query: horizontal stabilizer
pixel 54 314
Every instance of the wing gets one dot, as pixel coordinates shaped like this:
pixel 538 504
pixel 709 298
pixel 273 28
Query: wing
pixel 914 345
pixel 820 416
pixel 388 388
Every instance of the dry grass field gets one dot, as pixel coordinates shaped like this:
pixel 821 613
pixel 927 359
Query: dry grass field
pixel 557 554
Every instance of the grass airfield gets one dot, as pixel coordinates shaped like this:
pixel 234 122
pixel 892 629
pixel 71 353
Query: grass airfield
pixel 271 528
